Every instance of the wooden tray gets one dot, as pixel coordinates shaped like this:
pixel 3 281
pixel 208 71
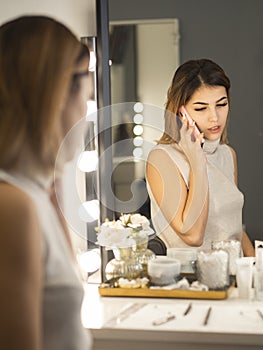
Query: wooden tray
pixel 163 293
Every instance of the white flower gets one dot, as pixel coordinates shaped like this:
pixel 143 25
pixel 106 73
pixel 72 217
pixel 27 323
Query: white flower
pixel 125 219
pixel 143 222
pixel 139 219
pixel 113 234
pixel 123 232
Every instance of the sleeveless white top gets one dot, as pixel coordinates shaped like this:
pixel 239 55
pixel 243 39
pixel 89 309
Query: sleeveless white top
pixel 225 200
pixel 62 292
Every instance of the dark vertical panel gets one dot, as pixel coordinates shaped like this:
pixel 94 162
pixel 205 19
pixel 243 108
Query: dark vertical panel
pixel 104 120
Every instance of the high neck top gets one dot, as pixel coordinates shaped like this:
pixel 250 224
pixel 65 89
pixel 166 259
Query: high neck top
pixel 210 147
pixel 35 179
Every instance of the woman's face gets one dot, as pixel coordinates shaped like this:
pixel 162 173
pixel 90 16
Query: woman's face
pixel 75 106
pixel 74 110
pixel 209 108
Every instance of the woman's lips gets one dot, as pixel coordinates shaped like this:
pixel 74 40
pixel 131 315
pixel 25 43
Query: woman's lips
pixel 214 129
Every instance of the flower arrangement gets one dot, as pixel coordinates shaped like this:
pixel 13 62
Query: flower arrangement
pixel 124 232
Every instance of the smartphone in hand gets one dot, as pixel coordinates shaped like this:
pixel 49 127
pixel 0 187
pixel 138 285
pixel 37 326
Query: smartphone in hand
pixel 184 113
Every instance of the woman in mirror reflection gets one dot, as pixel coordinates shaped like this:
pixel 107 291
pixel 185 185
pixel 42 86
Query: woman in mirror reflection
pixel 43 93
pixel 192 171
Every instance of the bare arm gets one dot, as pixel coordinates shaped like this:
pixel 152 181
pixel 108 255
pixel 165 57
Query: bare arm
pixel 176 201
pixel 20 272
pixel 247 247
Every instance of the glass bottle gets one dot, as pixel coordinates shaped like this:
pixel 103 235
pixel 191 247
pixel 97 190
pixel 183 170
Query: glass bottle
pixel 125 264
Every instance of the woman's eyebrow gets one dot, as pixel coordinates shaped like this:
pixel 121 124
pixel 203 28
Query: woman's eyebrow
pixel 200 103
pixel 222 98
pixel 205 103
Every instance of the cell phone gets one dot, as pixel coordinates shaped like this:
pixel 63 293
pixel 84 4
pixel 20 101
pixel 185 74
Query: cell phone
pixel 184 113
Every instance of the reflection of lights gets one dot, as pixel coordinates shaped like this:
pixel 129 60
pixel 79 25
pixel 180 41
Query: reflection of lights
pixel 88 161
pixel 89 261
pixel 89 211
pixel 138 119
pixel 92 108
pixel 137 152
pixel 138 141
pixel 110 62
pixel 138 107
pixel 92 61
pixel 138 130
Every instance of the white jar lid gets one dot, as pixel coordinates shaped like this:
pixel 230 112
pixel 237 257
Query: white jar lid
pixel 183 254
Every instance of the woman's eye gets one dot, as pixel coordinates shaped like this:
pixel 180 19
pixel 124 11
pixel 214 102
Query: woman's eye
pixel 200 109
pixel 222 104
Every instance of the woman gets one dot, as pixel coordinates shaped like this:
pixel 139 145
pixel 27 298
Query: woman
pixel 43 93
pixel 193 186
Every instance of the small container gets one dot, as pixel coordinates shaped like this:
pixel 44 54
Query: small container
pixel 244 276
pixel 163 270
pixel 259 256
pixel 233 248
pixel 258 284
pixel 258 271
pixel 187 257
pixel 212 269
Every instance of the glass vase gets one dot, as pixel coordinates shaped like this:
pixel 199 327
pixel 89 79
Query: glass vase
pixel 125 264
pixel 142 253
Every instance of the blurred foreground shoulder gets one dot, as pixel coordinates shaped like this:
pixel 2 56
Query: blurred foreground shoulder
pixel 18 220
pixel 20 271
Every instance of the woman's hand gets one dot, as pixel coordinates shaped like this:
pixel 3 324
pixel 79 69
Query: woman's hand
pixel 190 141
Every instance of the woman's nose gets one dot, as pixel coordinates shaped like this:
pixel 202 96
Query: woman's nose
pixel 213 115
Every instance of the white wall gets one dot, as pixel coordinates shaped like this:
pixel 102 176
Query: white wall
pixel 158 57
pixel 76 14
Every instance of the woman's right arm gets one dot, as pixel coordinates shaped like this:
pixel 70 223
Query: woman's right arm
pixel 20 271
pixel 186 209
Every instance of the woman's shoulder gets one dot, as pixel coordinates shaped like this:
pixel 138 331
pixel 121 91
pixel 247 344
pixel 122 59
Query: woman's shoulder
pixel 171 148
pixel 18 217
pixel 228 151
pixel 161 154
pixel 231 150
pixel 20 246
pixel 15 198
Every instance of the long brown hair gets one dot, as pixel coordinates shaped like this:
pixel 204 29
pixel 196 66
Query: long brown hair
pixel 186 80
pixel 38 56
